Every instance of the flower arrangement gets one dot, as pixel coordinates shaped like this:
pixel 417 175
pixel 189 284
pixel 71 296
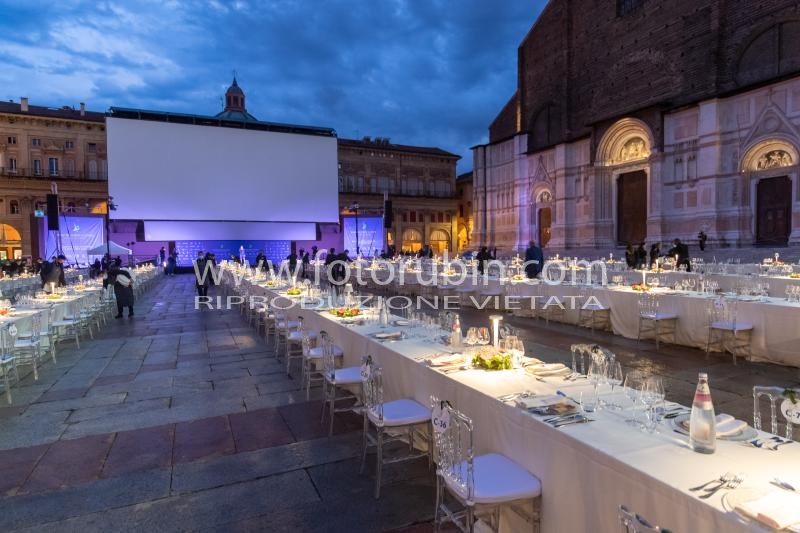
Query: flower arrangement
pixel 488 359
pixel 795 275
pixel 294 291
pixel 54 297
pixel 345 312
pixel 518 277
pixel 640 287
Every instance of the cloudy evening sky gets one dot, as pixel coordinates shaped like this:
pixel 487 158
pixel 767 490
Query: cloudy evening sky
pixel 426 72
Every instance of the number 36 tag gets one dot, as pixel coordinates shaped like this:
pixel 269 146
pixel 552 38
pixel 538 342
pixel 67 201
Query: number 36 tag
pixel 440 419
pixel 366 371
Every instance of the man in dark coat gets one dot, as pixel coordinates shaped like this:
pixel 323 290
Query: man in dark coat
pixel 483 257
pixel 682 252
pixel 122 281
pixel 655 253
pixel 534 260
pixel 54 273
pixel 641 256
pixel 202 278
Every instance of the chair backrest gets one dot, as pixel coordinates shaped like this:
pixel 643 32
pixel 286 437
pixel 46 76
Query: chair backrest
pixel 648 305
pixel 328 360
pixel 722 309
pixel 372 381
pixel 579 353
pixel 36 327
pixel 776 398
pixel 453 443
pixel 634 523
pixel 6 341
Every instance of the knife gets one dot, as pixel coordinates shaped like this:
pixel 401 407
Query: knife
pixel 579 420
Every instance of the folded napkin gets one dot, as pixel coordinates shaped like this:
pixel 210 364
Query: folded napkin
pixel 779 509
pixel 722 418
pixel 446 360
pixel 389 335
pixel 730 427
pixel 548 369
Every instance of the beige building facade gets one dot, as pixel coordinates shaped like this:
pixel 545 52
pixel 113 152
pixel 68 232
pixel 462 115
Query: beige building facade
pixel 419 181
pixel 41 146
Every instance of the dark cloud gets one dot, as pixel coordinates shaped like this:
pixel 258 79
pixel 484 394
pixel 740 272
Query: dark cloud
pixel 426 72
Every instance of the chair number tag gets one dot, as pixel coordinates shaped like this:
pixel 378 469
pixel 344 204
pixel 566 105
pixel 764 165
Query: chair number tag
pixel 12 330
pixel 791 411
pixel 365 372
pixel 440 419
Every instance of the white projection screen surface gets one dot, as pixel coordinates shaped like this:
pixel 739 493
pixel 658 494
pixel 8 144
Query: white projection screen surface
pixel 160 171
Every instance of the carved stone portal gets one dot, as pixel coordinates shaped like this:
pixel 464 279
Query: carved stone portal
pixel 633 150
pixel 774 158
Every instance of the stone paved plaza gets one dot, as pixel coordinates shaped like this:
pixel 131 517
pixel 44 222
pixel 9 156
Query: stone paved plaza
pixel 181 419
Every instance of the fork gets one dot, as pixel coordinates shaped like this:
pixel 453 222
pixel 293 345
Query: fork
pixel 724 478
pixel 732 484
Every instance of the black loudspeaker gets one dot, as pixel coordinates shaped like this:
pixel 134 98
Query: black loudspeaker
pixel 52 212
pixel 387 214
pixel 318 230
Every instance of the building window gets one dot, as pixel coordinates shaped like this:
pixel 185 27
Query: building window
pixel 91 148
pixel 412 216
pixel 37 167
pixel 447 218
pixel 69 168
pixel 36 142
pixel 70 207
pixel 69 145
pixel 373 186
pixel 52 166
pixel 403 217
pixel 12 165
pixel 383 184
pixel 13 207
pixel 625 7
pixel 40 206
pixel 92 169
pixel 12 140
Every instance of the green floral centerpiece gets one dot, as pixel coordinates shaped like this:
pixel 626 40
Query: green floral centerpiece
pixel 489 359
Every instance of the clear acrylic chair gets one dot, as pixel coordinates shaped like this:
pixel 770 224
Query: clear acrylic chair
pixel 338 383
pixel 653 319
pixel 550 306
pixel 776 398
pixel 481 485
pixel 295 339
pixel 28 349
pixel 634 523
pixel 725 331
pixel 403 417
pixel 8 362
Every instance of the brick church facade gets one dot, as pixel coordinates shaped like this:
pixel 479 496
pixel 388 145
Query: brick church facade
pixel 641 120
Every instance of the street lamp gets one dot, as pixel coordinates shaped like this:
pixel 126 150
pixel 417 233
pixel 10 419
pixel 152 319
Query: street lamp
pixel 354 208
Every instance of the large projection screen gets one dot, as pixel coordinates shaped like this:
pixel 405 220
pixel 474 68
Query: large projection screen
pixel 177 172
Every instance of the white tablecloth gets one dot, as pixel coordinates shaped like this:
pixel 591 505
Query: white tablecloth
pixel 587 470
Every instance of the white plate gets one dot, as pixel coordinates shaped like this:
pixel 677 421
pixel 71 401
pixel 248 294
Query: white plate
pixel 746 434
pixel 733 498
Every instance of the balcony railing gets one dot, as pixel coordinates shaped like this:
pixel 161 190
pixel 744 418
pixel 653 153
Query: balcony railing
pixel 39 174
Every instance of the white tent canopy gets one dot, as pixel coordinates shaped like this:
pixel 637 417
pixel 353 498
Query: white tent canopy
pixel 113 248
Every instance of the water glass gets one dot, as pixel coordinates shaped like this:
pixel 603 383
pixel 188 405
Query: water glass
pixel 632 385
pixel 588 401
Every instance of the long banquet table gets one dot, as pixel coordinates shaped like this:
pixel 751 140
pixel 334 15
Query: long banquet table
pixel 587 470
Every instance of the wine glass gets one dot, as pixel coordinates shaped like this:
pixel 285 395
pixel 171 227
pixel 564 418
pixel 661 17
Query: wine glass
pixel 483 336
pixel 614 378
pixel 691 283
pixel 596 374
pixel 632 384
pixel 518 349
pixel 652 395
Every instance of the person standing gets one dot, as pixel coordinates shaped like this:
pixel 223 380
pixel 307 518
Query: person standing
pixel 681 252
pixel 655 253
pixel 702 238
pixel 201 266
pixel 306 260
pixel 534 260
pixel 641 256
pixel 122 280
pixel 54 273
pixel 162 255
pixel 630 257
pixel 483 257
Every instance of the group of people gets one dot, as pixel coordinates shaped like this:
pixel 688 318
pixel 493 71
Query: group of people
pixel 203 277
pixel 168 261
pixel 637 258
